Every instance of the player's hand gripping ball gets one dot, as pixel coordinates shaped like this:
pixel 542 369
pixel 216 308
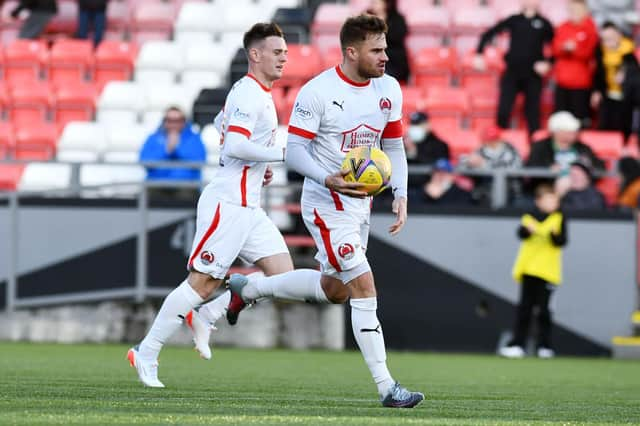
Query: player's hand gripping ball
pixel 369 166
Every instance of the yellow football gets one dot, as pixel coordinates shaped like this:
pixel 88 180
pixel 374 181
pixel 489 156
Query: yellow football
pixel 369 166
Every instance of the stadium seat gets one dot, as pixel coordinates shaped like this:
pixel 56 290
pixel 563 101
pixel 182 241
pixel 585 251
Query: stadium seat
pixel 74 102
pixel 461 142
pixel 504 8
pixel 606 145
pixel 106 174
pixel 35 141
pixel 279 100
pixel 159 62
pixel 428 20
pixel 124 143
pixel 468 24
pixel 434 66
pixel 519 139
pixel 471 79
pixel 211 139
pixel 70 60
pixel 328 19
pixel 24 60
pixel 289 102
pixel 483 105
pixel 152 21
pixel 4 100
pixel 66 20
pixel 208 104
pixel 539 135
pixel 412 99
pixel 121 102
pixel 205 64
pixel 6 139
pixel 610 188
pixel 114 61
pixel 10 175
pixel 42 177
pixel 30 103
pixel 160 97
pixel 447 104
pixel 416 42
pixel 237 18
pixel 82 142
pixel 197 18
pixel 294 23
pixel 303 63
pixel 118 15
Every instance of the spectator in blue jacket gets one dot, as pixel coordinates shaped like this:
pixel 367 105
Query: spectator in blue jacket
pixel 173 141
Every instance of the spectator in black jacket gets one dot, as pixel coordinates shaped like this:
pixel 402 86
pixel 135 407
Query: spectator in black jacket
pixel 562 148
pixel 398 65
pixel 92 13
pixel 441 190
pixel 577 190
pixel 526 63
pixel 423 146
pixel 40 13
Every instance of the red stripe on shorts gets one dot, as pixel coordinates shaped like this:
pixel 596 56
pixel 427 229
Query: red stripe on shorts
pixel 336 200
pixel 205 237
pixel 243 186
pixel 326 239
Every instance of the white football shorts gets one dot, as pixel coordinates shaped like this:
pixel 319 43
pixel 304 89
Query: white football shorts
pixel 226 231
pixel 341 238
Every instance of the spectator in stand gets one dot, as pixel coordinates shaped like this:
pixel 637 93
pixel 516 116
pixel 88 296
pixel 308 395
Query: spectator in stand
pixel 574 47
pixel 608 95
pixel 526 64
pixel 174 141
pixel 398 64
pixel 423 146
pixel 495 153
pixel 629 170
pixel 577 190
pixel 562 148
pixel 620 12
pixel 40 13
pixel 92 13
pixel 441 189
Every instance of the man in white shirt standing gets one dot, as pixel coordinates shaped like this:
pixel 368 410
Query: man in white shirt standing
pixel 354 104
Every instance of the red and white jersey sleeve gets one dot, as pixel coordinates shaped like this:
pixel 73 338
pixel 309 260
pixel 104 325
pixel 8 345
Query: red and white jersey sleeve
pixel 248 110
pixel 337 114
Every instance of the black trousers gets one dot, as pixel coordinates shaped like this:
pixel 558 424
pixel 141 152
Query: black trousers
pixel 511 83
pixel 576 101
pixel 534 293
pixel 613 115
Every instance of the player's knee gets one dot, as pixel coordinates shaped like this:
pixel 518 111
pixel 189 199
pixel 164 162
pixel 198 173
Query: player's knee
pixel 203 284
pixel 339 296
pixel 335 291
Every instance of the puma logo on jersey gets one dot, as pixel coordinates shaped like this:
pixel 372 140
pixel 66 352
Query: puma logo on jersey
pixel 371 330
pixel 339 105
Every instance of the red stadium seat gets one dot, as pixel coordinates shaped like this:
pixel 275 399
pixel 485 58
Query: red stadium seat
pixel 519 139
pixel 447 104
pixel 4 100
pixel 331 57
pixel 35 141
pixel 468 24
pixel 118 15
pixel 434 66
pixel 66 20
pixel 483 105
pixel 412 99
pixel 6 139
pixel 328 19
pixel 24 60
pixel 278 95
pixel 152 21
pixel 416 42
pixel 29 103
pixel 428 20
pixel 70 60
pixel 470 78
pixel 303 63
pixel 289 102
pixel 610 187
pixel 114 60
pixel 461 142
pixel 504 8
pixel 606 145
pixel 74 102
pixel 10 175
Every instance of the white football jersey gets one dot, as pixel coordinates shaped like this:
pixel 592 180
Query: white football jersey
pixel 248 110
pixel 337 115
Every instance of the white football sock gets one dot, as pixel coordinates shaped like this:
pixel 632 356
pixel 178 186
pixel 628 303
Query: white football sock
pixel 212 311
pixel 368 334
pixel 170 317
pixel 302 285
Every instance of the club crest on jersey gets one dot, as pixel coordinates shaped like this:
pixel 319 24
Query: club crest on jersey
pixel 346 251
pixel 302 112
pixel 385 105
pixel 207 257
pixel 363 135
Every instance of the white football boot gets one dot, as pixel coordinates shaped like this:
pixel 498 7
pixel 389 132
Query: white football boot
pixel 201 331
pixel 511 351
pixel 545 353
pixel 147 369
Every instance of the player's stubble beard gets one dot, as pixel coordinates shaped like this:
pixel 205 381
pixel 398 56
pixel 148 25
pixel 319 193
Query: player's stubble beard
pixel 368 71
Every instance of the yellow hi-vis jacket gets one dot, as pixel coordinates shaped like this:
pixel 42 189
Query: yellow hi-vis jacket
pixel 538 256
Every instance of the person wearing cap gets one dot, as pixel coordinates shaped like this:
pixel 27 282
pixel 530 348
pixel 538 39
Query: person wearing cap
pixel 495 153
pixel 441 189
pixel 577 191
pixel 423 146
pixel 562 148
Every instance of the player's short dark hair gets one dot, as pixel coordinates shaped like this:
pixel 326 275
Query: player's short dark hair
pixel 259 32
pixel 357 28
pixel 544 189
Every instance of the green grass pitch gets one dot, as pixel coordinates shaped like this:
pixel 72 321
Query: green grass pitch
pixel 93 384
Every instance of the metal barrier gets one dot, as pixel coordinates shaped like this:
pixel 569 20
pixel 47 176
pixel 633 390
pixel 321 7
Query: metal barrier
pixel 140 290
